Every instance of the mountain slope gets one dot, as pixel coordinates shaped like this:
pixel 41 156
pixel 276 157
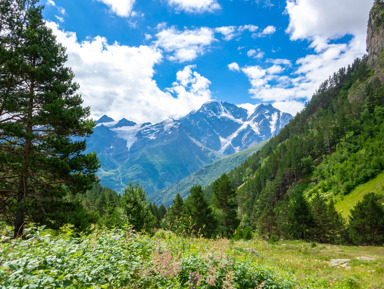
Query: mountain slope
pixel 158 155
pixel 204 175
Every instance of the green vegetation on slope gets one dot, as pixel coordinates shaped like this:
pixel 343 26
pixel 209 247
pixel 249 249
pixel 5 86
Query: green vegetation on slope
pixel 346 203
pixel 204 176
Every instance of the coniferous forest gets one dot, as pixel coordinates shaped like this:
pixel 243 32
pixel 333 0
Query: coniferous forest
pixel 276 221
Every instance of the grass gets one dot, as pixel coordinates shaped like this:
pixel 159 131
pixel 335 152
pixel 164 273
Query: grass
pixel 309 262
pixel 375 185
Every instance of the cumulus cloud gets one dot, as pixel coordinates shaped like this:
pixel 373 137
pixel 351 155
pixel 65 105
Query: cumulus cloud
pixel 228 32
pixel 327 18
pixel 117 80
pixel 191 89
pixel 185 45
pixel 234 66
pixel 269 30
pixel 122 8
pixel 195 6
pixel 268 85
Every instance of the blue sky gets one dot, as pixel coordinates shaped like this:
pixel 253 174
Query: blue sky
pixel 149 60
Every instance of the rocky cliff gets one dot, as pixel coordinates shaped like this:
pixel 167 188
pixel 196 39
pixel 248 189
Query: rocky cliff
pixel 375 33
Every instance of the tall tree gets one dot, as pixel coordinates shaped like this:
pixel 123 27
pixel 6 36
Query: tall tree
pixel 198 212
pixel 42 121
pixel 175 215
pixel 366 223
pixel 225 200
pixel 137 208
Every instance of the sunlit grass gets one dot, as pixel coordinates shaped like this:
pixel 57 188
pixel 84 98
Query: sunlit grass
pixel 375 185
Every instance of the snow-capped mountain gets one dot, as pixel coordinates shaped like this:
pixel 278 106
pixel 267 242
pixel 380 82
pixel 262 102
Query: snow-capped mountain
pixel 158 155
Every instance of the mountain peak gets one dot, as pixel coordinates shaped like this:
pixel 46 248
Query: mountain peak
pixel 124 122
pixel 103 119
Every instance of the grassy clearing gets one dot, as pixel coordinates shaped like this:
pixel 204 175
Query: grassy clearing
pixel 375 185
pixel 309 262
pixel 123 259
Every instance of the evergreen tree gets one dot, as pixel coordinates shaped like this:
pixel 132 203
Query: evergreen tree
pixel 175 215
pixel 299 217
pixel 366 222
pixel 266 224
pixel 137 208
pixel 42 122
pixel 199 216
pixel 328 224
pixel 225 200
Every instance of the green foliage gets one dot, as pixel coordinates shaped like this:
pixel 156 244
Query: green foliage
pixel 199 216
pixel 122 259
pixel 204 176
pixel 328 224
pixel 299 218
pixel 137 208
pixel 366 223
pixel 225 200
pixel 42 123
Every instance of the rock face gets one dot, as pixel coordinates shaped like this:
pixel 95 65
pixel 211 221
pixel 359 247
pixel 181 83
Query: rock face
pixel 375 33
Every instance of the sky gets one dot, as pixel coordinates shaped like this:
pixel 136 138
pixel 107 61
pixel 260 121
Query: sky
pixel 151 60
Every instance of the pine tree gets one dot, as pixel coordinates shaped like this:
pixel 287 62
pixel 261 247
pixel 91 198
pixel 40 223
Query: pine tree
pixel 225 200
pixel 42 122
pixel 299 217
pixel 175 217
pixel 200 218
pixel 366 223
pixel 137 208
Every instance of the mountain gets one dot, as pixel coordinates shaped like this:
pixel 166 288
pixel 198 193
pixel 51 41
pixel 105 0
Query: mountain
pixel 158 155
pixel 332 150
pixel 104 119
pixel 204 175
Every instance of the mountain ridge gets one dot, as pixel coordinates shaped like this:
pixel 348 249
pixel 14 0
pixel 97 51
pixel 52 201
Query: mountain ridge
pixel 158 155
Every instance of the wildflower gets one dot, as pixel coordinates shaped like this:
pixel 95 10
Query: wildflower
pixel 194 279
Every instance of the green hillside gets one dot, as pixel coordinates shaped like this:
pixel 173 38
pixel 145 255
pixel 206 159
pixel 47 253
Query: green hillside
pixel 326 154
pixel 346 203
pixel 204 176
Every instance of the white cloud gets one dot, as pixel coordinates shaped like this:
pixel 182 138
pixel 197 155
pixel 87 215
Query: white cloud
pixel 60 19
pixel 185 45
pixel 269 30
pixel 234 66
pixel 276 69
pixel 229 32
pixel 191 89
pixel 327 18
pixel 249 27
pixel 117 80
pixel 291 107
pixel 310 71
pixel 195 6
pixel 51 3
pixel 257 54
pixel 122 8
pixel 286 62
